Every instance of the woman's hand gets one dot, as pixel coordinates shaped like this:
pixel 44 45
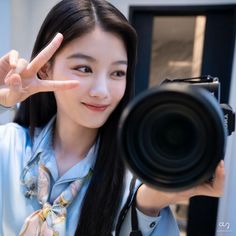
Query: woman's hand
pixel 18 78
pixel 150 201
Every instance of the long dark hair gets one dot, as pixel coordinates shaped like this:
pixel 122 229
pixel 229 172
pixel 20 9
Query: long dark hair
pixel 73 18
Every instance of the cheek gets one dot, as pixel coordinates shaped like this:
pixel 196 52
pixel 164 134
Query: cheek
pixel 119 91
pixel 61 72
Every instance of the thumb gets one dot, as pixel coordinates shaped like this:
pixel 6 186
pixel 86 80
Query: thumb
pixel 13 81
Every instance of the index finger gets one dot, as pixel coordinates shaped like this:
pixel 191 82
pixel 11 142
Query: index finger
pixel 44 56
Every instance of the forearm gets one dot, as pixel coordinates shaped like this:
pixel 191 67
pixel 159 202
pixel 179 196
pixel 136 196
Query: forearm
pixel 150 201
pixel 164 224
pixel 146 223
pixel 4 109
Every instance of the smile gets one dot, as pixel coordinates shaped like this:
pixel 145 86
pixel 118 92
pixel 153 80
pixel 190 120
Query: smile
pixel 95 107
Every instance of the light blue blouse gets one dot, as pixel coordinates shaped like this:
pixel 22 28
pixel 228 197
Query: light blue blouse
pixel 19 160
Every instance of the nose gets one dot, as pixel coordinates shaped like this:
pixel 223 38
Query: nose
pixel 99 88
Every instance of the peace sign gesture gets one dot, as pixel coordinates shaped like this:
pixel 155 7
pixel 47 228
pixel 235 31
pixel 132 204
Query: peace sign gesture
pixel 18 78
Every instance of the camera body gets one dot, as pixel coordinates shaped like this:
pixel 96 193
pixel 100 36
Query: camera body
pixel 212 85
pixel 173 136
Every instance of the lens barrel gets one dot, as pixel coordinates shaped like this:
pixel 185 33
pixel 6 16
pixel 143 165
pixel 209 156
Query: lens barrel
pixel 172 136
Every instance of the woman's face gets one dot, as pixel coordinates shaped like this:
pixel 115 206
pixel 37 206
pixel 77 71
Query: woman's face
pixel 98 60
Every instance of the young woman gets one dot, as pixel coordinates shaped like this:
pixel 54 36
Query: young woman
pixel 61 170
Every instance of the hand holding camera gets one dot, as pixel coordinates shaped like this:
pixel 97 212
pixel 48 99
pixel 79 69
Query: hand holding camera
pixel 150 200
pixel 173 136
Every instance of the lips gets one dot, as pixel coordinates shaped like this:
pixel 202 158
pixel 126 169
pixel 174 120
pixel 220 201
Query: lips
pixel 95 107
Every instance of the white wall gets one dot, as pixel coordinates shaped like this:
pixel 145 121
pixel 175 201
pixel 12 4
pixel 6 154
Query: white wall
pixel 227 209
pixel 27 17
pixel 5 26
pixel 5 40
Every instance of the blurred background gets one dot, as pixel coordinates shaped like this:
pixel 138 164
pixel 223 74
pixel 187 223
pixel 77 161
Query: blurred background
pixel 177 39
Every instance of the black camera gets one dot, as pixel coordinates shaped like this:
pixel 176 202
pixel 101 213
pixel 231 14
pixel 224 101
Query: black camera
pixel 173 136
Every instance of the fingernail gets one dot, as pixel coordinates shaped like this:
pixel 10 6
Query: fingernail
pixel 222 164
pixel 13 63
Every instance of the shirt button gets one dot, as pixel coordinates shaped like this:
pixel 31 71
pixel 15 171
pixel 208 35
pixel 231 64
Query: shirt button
pixel 152 224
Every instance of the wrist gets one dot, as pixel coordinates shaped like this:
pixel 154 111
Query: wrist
pixel 5 108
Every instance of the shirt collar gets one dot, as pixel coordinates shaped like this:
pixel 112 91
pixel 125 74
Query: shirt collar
pixel 79 170
pixel 43 138
pixel 42 149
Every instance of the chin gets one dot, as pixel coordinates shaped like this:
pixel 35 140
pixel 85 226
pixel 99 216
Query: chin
pixel 96 125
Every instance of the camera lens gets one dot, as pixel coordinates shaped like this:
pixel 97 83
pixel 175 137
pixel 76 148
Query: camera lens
pixel 172 136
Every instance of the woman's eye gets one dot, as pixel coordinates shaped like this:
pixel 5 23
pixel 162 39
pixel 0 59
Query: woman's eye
pixel 83 69
pixel 119 73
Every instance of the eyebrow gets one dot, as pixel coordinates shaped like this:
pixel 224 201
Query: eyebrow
pixel 81 56
pixel 120 62
pixel 89 58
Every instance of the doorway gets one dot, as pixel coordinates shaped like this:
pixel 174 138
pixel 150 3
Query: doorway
pixel 181 42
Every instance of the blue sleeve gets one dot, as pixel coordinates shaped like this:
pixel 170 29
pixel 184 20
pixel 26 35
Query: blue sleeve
pixel 164 224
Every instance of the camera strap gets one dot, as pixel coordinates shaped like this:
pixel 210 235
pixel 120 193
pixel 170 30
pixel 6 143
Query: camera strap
pixel 134 220
pixel 129 203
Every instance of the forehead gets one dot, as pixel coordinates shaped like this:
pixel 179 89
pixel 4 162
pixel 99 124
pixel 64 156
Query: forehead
pixel 98 43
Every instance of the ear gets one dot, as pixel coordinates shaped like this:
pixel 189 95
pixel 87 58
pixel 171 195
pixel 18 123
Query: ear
pixel 44 72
